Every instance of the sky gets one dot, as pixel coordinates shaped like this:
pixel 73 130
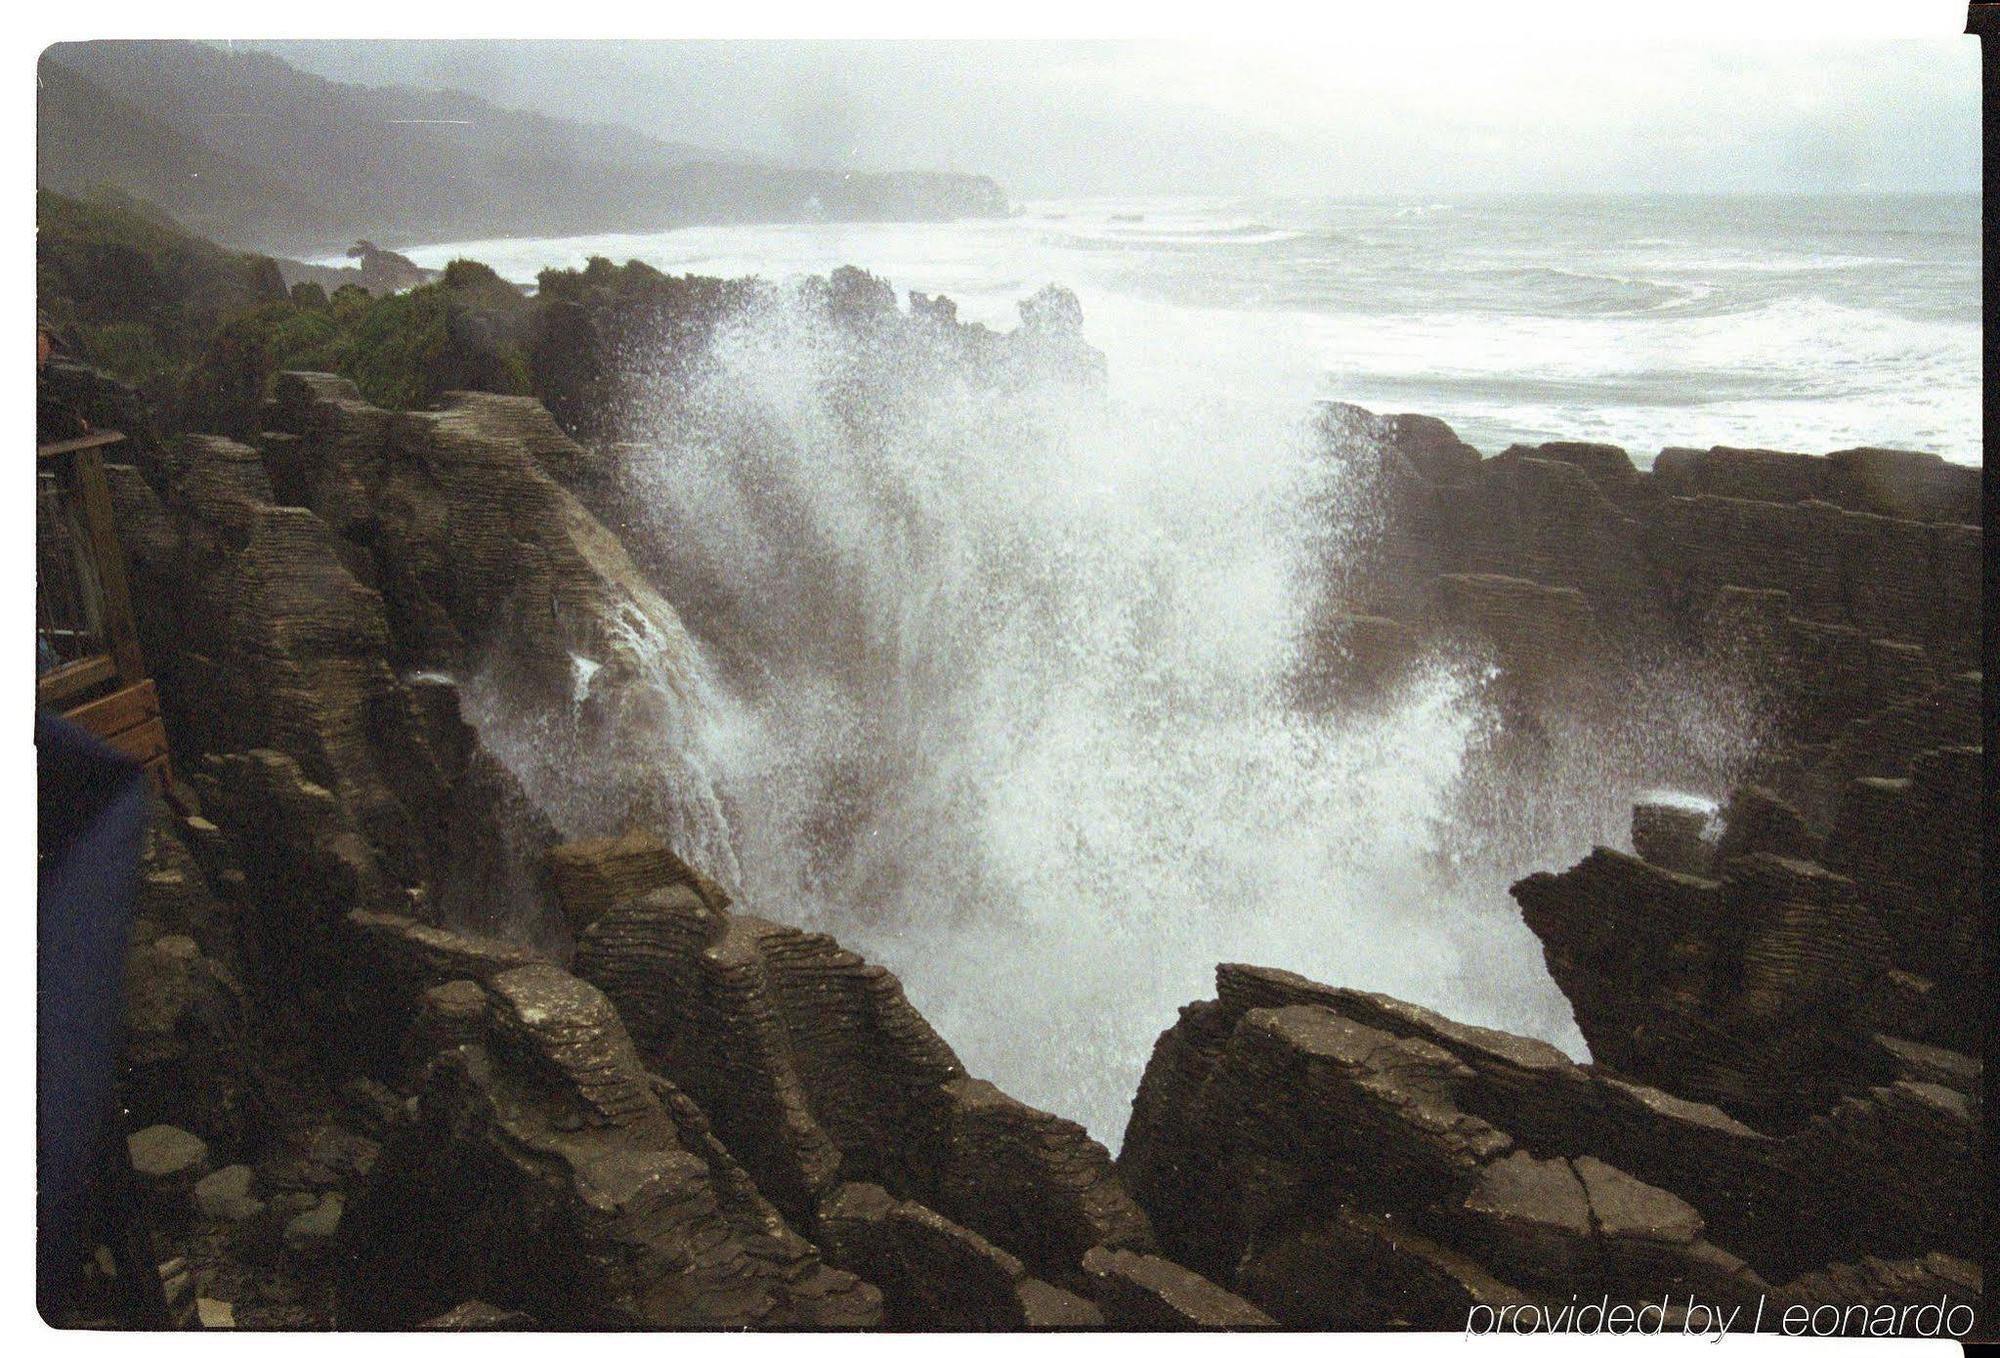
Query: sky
pixel 1389 113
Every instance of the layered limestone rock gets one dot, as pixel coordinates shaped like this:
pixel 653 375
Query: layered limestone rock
pixel 345 595
pixel 1751 992
pixel 468 533
pixel 547 1172
pixel 1816 778
pixel 260 638
pixel 1758 820
pixel 1364 1271
pixel 1767 976
pixel 935 1274
pixel 819 1073
pixel 1912 847
pixel 329 583
pixel 1344 1158
pixel 494 573
pixel 1146 1292
pixel 715 1119
pixel 1870 480
pixel 587 877
pixel 186 1027
pixel 608 342
pixel 1545 640
pixel 1826 588
pixel 277 671
pixel 1790 983
pixel 399 972
pixel 1673 836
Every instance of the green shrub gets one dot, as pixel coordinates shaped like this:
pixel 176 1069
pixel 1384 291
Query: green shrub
pixel 350 302
pixel 477 285
pixel 130 351
pixel 411 347
pixel 399 343
pixel 308 340
pixel 226 383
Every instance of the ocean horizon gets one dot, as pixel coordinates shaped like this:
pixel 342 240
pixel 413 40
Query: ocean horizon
pixel 1801 322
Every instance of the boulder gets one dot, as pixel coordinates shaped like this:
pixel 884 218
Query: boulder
pixel 168 1159
pixel 313 1231
pixel 226 1194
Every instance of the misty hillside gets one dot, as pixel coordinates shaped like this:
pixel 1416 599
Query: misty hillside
pixel 245 148
pixel 89 139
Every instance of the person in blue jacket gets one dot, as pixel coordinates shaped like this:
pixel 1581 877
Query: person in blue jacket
pixel 92 807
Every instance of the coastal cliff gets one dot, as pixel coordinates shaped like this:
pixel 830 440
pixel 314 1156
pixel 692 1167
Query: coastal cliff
pixel 411 1050
pixel 250 150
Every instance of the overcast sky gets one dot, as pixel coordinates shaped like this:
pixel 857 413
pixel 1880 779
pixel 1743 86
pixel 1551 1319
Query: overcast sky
pixel 1371 116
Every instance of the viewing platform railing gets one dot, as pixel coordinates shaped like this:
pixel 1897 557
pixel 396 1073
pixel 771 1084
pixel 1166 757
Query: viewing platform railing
pixel 88 667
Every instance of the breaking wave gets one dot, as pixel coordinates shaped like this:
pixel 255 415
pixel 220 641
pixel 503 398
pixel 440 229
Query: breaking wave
pixel 1005 702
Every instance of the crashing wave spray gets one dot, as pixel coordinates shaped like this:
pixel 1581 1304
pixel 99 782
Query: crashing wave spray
pixel 1008 671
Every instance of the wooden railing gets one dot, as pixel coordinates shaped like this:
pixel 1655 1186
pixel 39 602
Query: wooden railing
pixel 88 666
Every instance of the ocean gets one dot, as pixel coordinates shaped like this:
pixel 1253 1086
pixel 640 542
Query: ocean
pixel 1799 323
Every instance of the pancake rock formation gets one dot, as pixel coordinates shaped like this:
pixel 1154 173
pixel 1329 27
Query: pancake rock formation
pixel 416 1043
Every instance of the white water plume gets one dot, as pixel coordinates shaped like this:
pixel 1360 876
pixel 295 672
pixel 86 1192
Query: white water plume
pixel 1013 719
pixel 1004 705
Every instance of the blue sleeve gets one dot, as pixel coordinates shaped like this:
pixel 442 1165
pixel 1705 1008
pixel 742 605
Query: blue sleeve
pixel 92 815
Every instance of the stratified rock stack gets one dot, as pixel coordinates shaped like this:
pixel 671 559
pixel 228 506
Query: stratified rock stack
pixel 788 1066
pixel 1753 991
pixel 822 1077
pixel 1342 1158
pixel 437 1123
pixel 308 604
pixel 186 1021
pixel 1805 965
pixel 1821 982
pixel 1828 588
pixel 492 572
pixel 262 639
pixel 544 1169
pixel 416 1058
pixel 1765 977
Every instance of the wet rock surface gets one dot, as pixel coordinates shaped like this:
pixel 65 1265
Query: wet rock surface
pixel 1831 586
pixel 1495 1167
pixel 817 1070
pixel 543 1172
pixel 402 1053
pixel 1146 1292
